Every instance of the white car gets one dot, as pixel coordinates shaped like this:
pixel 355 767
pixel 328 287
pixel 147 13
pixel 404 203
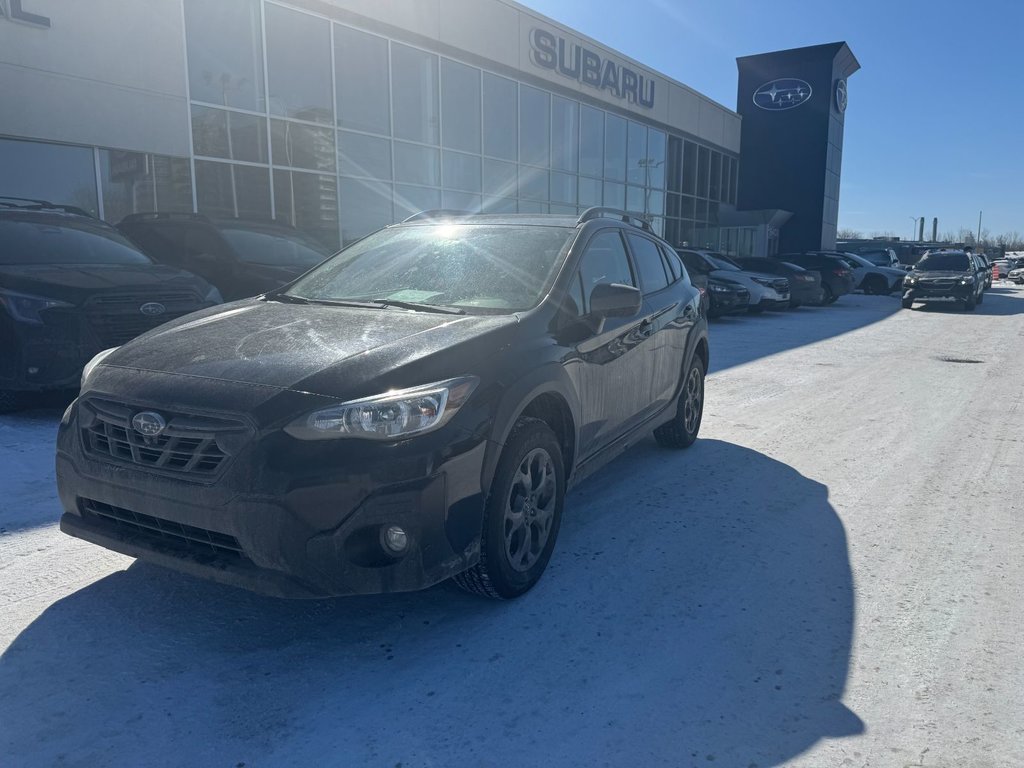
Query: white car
pixel 766 291
pixel 1017 275
pixel 871 278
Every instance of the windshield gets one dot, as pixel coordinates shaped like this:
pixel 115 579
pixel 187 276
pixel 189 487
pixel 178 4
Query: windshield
pixel 29 239
pixel 937 262
pixel 694 263
pixel 273 248
pixel 471 266
pixel 721 263
pixel 878 258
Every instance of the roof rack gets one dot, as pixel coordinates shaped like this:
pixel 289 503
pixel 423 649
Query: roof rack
pixel 597 212
pixel 437 213
pixel 31 204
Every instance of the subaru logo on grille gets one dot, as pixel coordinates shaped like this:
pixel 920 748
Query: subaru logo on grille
pixel 149 424
pixel 152 308
pixel 783 93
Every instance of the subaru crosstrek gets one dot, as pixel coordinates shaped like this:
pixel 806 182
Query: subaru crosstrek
pixel 411 410
pixel 946 275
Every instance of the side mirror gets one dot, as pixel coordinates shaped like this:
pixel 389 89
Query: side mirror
pixel 614 300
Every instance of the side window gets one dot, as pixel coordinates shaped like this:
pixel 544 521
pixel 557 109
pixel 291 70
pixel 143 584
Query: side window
pixel 648 263
pixel 200 240
pixel 693 263
pixel 604 261
pixel 672 263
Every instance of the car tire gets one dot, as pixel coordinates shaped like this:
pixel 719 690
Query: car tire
pixel 522 514
pixel 829 297
pixel 970 304
pixel 981 297
pixel 876 286
pixel 10 401
pixel 908 303
pixel 793 304
pixel 682 431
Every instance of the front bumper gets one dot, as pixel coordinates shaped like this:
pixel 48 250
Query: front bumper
pixel 926 292
pixel 729 303
pixel 286 517
pixel 810 294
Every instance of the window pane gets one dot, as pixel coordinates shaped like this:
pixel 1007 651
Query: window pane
pixel 563 188
pixel 675 164
pixel 591 141
pixel 309 202
pixel 564 133
pixel 702 211
pixel 302 146
pixel 225 53
pixel 703 162
pixel 500 178
pixel 655 202
pixel 501 117
pixel 605 261
pixel 590 192
pixel 648 263
pixel 299 65
pixel 562 208
pixel 690 168
pixel 532 206
pixel 414 85
pixel 715 186
pixel 410 200
pixel 500 205
pixel 460 201
pixel 365 208
pixel 461 171
pixel 636 156
pixel 635 199
pixel 229 190
pixel 361 80
pixel 417 164
pixel 733 185
pixel 726 179
pixel 55 172
pixel 132 182
pixel 534 124
pixel 362 155
pixel 231 135
pixel 674 205
pixel 533 183
pixel 615 195
pixel 614 148
pixel 656 159
pixel 460 106
pixel 689 208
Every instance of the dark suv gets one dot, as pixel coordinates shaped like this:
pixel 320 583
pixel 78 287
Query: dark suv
pixel 409 411
pixel 836 276
pixel 241 257
pixel 946 275
pixel 70 286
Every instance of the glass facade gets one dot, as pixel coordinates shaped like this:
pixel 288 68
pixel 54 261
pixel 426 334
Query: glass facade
pixel 340 131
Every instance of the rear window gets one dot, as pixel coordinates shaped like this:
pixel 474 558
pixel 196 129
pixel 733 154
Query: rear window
pixel 28 239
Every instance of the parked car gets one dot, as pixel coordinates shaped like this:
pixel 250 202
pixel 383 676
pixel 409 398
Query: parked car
pixel 982 270
pixel 804 284
pixel 241 257
pixel 944 276
pixel 870 278
pixel 836 275
pixel 987 264
pixel 725 297
pixel 409 411
pixel 1016 275
pixel 1005 266
pixel 766 291
pixel 70 286
pixel 880 257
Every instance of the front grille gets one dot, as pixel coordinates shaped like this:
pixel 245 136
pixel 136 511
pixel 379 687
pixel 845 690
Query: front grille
pixel 116 318
pixel 196 446
pixel 189 538
pixel 781 285
pixel 938 283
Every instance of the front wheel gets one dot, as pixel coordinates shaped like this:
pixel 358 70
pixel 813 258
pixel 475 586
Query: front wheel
pixel 682 431
pixel 522 514
pixel 908 303
pixel 970 304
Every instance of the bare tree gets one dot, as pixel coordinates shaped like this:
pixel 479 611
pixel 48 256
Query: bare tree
pixel 849 234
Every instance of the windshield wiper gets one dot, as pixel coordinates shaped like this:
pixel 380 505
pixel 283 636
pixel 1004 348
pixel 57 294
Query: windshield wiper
pixel 438 308
pixel 286 298
pixel 290 298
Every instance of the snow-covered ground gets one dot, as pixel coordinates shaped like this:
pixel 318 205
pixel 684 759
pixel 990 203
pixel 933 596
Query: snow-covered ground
pixel 830 577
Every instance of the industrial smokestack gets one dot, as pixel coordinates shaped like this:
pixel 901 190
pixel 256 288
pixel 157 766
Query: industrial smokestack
pixel 920 231
pixel 935 229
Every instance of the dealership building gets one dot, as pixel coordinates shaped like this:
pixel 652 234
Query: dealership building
pixel 341 116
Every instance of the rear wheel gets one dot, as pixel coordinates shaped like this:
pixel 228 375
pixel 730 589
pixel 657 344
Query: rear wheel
pixel 522 514
pixel 875 285
pixel 682 431
pixel 829 297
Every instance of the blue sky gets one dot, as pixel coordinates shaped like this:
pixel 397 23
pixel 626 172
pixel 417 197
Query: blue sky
pixel 935 125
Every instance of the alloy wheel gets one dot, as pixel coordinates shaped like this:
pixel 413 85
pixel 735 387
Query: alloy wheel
pixel 530 509
pixel 693 397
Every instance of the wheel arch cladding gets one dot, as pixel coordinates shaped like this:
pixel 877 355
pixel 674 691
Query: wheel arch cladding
pixel 553 410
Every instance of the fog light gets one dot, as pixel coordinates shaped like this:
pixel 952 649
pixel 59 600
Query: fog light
pixel 395 539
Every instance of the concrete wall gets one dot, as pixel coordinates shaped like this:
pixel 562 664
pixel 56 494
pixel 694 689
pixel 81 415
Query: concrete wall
pixel 106 72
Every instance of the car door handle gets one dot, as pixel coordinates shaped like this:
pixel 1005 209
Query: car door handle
pixel 646 328
pixel 689 312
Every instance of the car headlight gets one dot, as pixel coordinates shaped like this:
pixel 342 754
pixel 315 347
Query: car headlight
pixel 909 280
pixel 718 288
pixel 390 416
pixel 762 281
pixel 25 308
pixel 213 296
pixel 967 280
pixel 91 365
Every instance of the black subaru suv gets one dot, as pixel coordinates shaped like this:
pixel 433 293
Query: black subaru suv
pixel 411 410
pixel 945 275
pixel 239 256
pixel 70 286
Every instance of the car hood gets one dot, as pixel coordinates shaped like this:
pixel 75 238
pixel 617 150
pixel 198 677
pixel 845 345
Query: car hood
pixel 74 283
pixel 326 350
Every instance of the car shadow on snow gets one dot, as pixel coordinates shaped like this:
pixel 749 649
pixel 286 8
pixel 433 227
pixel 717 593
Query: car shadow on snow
pixel 1000 300
pixel 698 608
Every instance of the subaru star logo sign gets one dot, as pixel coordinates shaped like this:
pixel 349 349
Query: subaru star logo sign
pixel 783 93
pixel 152 308
pixel 149 423
pixel 841 96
